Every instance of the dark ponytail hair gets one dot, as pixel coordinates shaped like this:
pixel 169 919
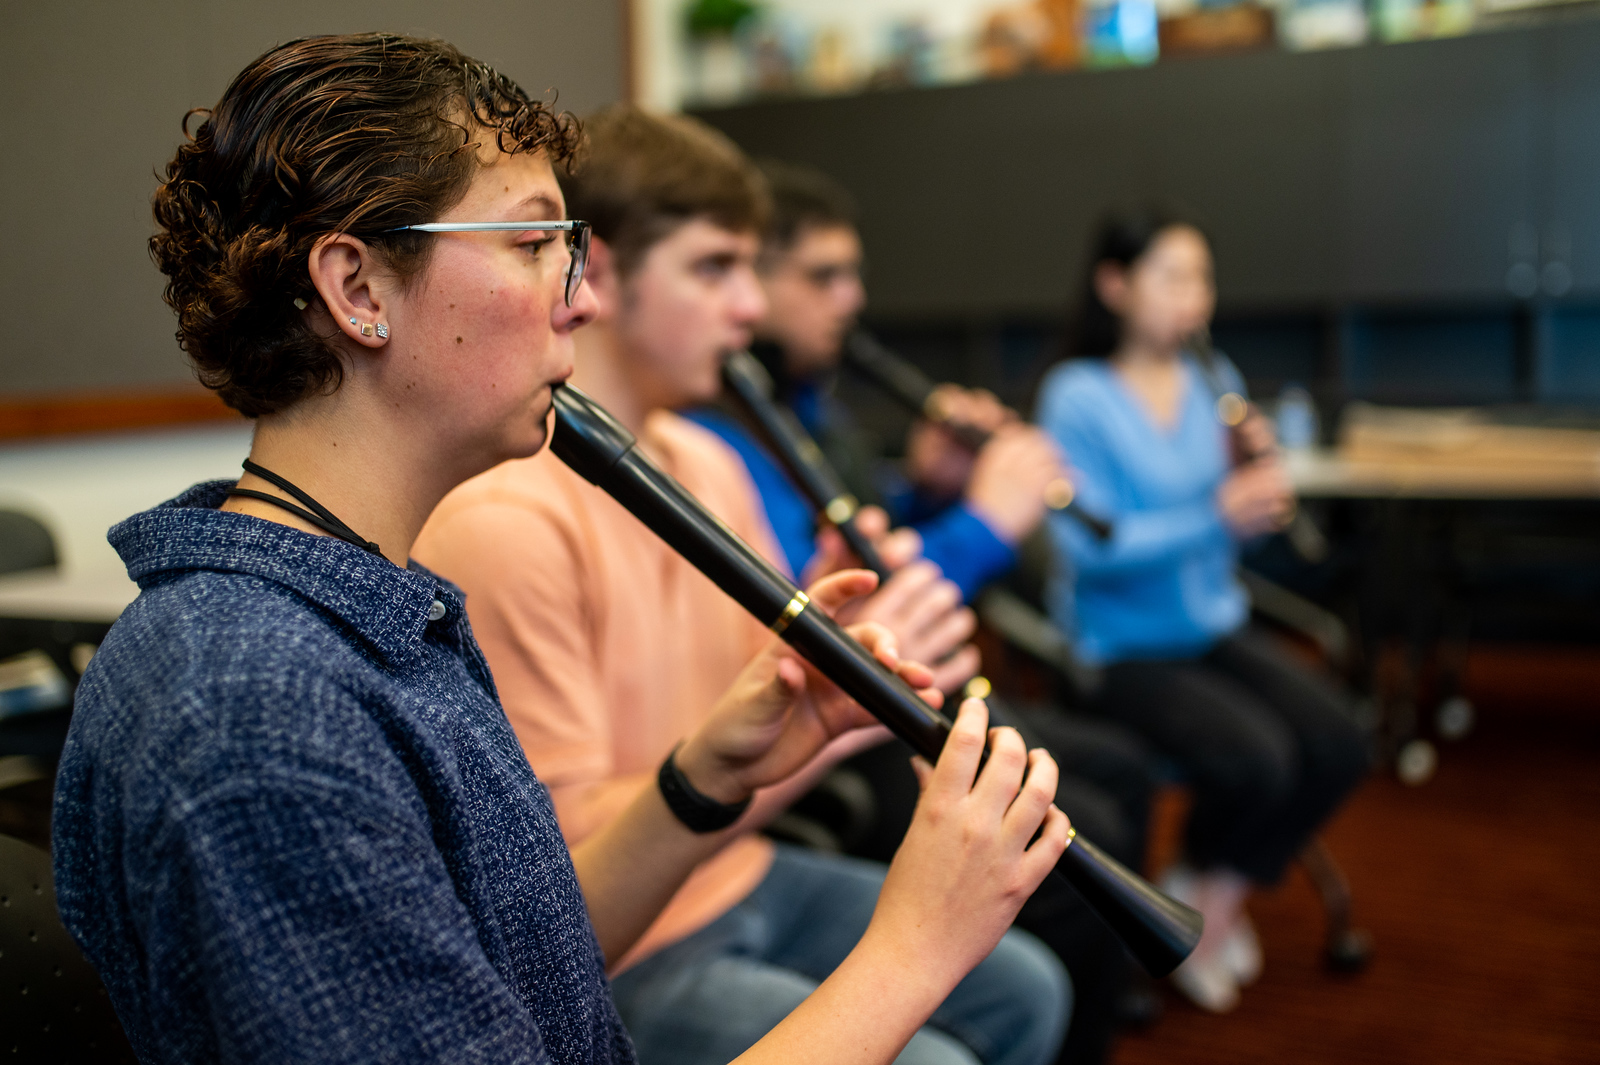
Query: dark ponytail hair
pixel 1121 237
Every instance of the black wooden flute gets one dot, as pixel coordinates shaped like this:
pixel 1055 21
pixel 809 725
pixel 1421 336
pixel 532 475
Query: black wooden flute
pixel 1156 929
pixel 751 387
pixel 912 388
pixel 1232 409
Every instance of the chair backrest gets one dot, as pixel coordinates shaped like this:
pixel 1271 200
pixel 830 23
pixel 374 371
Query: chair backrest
pixel 25 543
pixel 52 1005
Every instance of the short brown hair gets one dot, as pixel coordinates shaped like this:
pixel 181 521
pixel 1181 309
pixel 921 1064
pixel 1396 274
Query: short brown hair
pixel 803 198
pixel 643 175
pixel 355 134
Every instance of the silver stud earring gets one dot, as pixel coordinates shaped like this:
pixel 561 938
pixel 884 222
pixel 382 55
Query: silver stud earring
pixel 383 331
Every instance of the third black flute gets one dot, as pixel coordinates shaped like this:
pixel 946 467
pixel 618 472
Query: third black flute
pixel 913 389
pixel 1156 929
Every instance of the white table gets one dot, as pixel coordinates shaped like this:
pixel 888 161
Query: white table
pixel 96 598
pixel 1327 475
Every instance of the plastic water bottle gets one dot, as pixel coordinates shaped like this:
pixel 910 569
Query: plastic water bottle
pixel 1297 419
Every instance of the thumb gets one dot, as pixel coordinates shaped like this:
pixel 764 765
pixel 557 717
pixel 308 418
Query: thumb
pixel 772 695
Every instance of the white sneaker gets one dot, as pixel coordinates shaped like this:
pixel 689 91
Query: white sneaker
pixel 1242 952
pixel 1209 984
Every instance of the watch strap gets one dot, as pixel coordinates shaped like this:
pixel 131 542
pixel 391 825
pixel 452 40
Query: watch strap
pixel 699 812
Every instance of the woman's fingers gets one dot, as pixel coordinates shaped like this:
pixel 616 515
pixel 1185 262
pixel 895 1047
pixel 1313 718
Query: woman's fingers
pixel 1001 777
pixel 958 762
pixel 1045 852
pixel 1027 810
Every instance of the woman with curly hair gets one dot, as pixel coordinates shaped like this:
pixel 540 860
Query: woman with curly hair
pixel 292 822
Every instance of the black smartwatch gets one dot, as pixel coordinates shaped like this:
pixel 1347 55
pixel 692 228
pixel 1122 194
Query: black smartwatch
pixel 699 812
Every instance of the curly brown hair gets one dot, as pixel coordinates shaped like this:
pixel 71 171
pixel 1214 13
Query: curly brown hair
pixel 349 134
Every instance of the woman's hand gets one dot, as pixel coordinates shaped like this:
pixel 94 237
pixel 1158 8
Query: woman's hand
pixel 1256 498
pixel 1254 437
pixel 781 712
pixel 966 865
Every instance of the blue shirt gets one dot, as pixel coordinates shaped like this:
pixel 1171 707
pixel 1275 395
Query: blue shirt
pixel 954 538
pixel 1163 586
pixel 293 824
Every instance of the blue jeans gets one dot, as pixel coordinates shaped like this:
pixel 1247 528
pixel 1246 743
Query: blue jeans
pixel 708 998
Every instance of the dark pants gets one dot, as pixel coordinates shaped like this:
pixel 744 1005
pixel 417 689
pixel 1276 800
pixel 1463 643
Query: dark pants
pixel 1106 782
pixel 1269 750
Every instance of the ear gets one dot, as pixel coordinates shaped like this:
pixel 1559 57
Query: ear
pixel 603 278
pixel 1111 285
pixel 356 290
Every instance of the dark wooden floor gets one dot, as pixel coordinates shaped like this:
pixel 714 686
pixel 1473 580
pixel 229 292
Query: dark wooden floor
pixel 1482 891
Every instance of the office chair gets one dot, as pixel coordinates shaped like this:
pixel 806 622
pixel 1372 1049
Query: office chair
pixel 52 1005
pixel 25 543
pixel 1013 611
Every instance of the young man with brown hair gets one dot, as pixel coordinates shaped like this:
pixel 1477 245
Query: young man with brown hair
pixel 606 646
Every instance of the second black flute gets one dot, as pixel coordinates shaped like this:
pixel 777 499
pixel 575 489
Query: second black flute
pixel 1156 929
pixel 751 387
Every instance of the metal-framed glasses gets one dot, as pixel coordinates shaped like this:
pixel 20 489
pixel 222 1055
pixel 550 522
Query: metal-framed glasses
pixel 577 240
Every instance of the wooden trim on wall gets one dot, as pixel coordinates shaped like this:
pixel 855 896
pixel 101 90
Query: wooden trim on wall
pixel 22 417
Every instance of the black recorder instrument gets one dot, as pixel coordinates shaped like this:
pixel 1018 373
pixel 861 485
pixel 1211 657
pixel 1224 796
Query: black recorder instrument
pixel 1232 409
pixel 912 388
pixel 1157 930
pixel 748 382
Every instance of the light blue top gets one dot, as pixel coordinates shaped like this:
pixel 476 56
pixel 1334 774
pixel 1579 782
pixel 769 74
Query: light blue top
pixel 1163 586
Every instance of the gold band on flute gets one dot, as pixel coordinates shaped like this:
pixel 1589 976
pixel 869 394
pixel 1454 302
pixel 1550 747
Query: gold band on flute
pixel 796 605
pixel 1072 834
pixel 1231 409
pixel 841 508
pixel 977 688
pixel 1059 493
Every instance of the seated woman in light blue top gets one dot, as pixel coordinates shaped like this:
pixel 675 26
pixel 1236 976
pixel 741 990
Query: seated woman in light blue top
pixel 1268 750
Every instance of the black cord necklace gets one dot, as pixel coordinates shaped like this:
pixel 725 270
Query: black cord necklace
pixel 323 518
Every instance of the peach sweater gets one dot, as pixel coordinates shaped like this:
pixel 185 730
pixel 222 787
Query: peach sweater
pixel 606 646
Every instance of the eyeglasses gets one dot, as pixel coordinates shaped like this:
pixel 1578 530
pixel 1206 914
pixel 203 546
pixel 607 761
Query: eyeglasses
pixel 577 240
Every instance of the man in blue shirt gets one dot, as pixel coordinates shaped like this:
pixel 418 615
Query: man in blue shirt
pixel 971 509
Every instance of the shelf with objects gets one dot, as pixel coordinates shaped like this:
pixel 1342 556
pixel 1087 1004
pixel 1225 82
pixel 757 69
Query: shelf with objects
pixel 697 53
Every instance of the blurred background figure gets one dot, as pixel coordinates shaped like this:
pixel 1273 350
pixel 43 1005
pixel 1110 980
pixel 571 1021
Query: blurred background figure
pixel 1269 750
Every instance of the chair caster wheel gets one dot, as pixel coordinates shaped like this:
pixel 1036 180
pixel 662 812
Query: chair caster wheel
pixel 1349 952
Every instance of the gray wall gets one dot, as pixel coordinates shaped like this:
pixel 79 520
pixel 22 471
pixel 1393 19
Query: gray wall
pixel 1391 174
pixel 93 93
